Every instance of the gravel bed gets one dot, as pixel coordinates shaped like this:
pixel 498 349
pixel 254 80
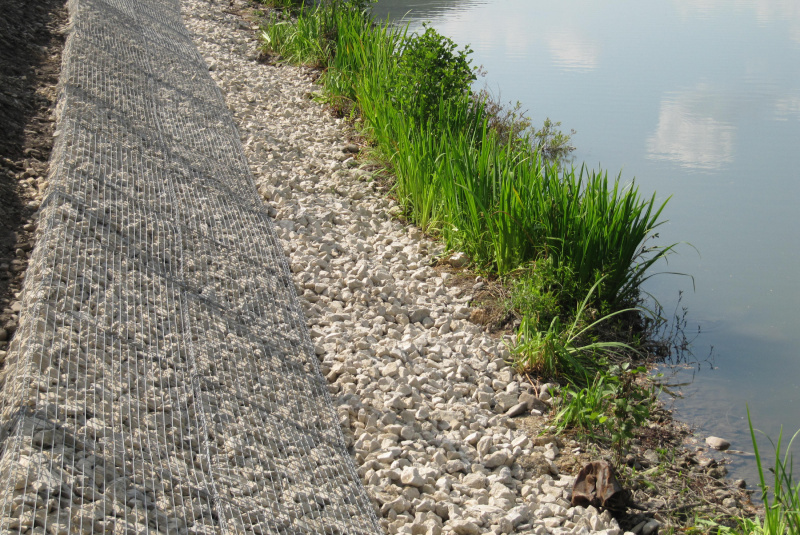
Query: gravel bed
pixel 423 395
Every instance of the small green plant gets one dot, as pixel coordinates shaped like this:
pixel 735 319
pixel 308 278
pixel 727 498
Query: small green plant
pixel 610 408
pixel 585 408
pixel 540 290
pixel 630 406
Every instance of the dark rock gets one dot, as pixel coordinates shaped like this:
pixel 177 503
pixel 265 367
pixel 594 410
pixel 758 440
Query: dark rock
pixel 458 260
pixel 717 472
pixel 536 464
pixel 651 528
pixel 10 328
pixel 516 410
pixel 533 402
pixel 351 148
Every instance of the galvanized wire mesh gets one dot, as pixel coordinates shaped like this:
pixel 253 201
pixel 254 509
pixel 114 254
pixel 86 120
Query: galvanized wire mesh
pixel 162 379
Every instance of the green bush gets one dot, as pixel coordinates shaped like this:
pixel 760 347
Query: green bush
pixel 431 70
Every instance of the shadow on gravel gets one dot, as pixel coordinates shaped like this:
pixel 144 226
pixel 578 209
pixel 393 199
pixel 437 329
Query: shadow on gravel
pixel 31 41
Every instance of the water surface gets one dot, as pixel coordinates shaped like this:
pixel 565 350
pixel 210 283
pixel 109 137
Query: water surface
pixel 698 100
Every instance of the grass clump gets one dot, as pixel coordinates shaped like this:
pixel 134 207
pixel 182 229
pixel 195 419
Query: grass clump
pixel 560 350
pixel 283 4
pixel 782 510
pixel 305 39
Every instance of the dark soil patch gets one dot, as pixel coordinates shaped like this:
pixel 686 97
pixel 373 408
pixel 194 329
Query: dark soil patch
pixel 31 41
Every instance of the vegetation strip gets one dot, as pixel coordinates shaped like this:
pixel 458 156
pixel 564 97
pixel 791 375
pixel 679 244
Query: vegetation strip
pixel 487 186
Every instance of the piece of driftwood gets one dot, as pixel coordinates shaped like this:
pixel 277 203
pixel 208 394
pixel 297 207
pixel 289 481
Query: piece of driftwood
pixel 597 485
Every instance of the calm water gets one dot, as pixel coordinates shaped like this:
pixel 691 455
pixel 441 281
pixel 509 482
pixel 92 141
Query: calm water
pixel 700 100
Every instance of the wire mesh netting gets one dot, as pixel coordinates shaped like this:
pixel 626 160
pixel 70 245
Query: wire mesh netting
pixel 162 379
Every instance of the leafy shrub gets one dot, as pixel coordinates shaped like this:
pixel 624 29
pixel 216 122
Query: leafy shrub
pixel 431 70
pixel 509 122
pixel 554 143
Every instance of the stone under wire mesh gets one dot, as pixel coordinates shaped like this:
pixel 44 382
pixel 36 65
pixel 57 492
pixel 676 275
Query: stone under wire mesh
pixel 162 379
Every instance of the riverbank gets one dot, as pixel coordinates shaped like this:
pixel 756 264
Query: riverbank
pixel 346 240
pixel 422 390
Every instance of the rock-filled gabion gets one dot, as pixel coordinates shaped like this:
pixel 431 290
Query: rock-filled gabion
pixel 162 379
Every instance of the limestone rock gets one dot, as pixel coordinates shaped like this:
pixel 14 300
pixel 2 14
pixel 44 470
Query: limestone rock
pixel 718 443
pixel 465 527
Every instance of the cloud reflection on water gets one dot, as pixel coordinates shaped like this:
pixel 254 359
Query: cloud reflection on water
pixel 766 11
pixel 688 132
pixel 787 108
pixel 573 52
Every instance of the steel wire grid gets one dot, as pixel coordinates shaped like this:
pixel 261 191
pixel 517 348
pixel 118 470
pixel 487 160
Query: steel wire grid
pixel 162 379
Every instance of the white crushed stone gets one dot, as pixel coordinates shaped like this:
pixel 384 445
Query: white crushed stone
pixel 420 391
